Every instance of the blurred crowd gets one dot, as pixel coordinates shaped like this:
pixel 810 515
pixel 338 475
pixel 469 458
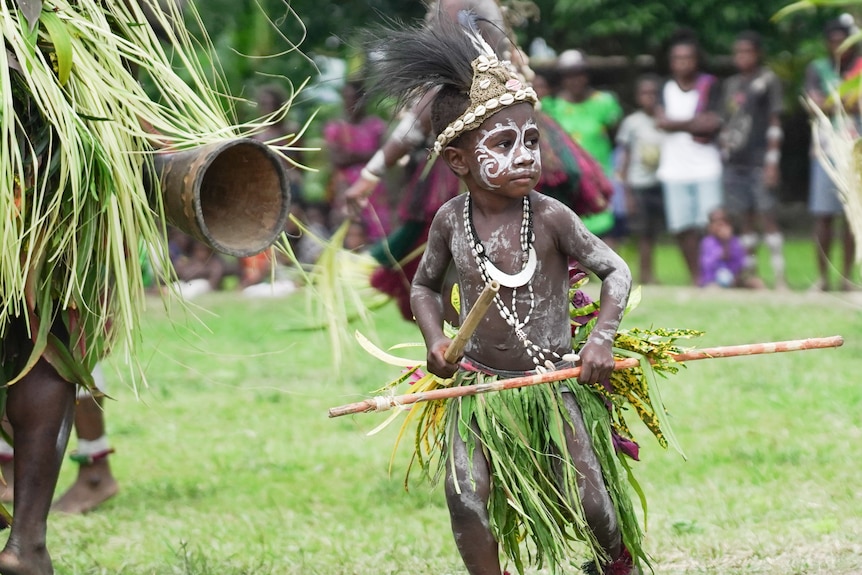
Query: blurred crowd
pixel 696 160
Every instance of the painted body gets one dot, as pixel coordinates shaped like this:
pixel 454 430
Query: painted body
pixel 500 164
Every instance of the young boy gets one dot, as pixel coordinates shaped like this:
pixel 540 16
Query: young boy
pixel 549 476
pixel 640 148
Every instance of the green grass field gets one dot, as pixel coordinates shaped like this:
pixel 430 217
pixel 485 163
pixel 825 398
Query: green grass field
pixel 228 463
pixel 798 251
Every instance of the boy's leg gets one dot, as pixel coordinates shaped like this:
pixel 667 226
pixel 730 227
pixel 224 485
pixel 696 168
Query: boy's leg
pixel 598 507
pixel 40 409
pixel 468 510
pixel 95 483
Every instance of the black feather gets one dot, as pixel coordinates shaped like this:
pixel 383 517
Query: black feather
pixel 407 61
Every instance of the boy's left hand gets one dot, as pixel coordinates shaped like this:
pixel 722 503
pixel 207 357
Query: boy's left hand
pixel 597 362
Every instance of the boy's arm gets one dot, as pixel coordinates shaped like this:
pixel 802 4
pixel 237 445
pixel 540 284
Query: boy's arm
pixel 426 300
pixel 623 176
pixel 624 139
pixel 597 359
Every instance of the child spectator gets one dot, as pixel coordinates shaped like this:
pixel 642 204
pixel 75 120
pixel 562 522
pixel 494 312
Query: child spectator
pixel 723 258
pixel 640 148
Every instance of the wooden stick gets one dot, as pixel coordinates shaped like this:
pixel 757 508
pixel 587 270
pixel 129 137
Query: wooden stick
pixel 471 322
pixel 384 403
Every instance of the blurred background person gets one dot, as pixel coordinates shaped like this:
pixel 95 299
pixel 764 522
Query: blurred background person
pixel 822 78
pixel 750 142
pixel 351 141
pixel 723 258
pixel 639 142
pixel 690 163
pixel 590 117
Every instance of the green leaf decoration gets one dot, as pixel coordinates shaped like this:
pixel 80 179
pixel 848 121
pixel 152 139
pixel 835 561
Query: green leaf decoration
pixel 62 42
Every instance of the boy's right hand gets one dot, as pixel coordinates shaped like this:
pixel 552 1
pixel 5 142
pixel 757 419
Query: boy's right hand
pixel 437 363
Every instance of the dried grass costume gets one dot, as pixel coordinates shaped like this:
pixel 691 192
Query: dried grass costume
pixel 77 137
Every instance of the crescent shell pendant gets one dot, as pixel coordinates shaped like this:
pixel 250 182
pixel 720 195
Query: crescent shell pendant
pixel 519 279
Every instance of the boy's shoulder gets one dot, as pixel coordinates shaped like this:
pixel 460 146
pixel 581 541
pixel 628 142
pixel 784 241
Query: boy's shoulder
pixel 547 208
pixel 453 207
pixel 638 117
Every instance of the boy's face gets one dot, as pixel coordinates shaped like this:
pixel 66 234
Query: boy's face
pixel 647 95
pixel 502 154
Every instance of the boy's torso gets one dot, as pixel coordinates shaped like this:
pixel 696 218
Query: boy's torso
pixel 544 311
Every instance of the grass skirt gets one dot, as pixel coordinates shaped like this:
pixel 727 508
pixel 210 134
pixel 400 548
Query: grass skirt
pixel 534 493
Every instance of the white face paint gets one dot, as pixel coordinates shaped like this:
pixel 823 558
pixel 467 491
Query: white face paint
pixel 495 161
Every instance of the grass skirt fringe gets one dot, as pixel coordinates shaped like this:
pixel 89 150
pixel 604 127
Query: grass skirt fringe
pixel 534 492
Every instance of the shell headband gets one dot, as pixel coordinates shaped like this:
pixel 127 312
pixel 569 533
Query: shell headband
pixel 495 86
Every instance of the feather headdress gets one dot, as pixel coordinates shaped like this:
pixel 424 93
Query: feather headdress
pixel 407 63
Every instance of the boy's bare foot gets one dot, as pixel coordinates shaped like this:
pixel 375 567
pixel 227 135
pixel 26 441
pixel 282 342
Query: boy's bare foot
pixel 95 485
pixel 7 491
pixel 35 562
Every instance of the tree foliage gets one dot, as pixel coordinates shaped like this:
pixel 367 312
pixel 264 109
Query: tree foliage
pixel 643 27
pixel 255 38
pixel 266 41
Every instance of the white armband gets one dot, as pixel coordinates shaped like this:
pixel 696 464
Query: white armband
pixel 774 133
pixel 368 175
pixel 376 166
pixel 772 157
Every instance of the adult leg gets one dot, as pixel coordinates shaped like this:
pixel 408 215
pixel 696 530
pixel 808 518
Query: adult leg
pixel 824 205
pixel 765 205
pixel 822 246
pixel 774 241
pixel 646 248
pixel 849 258
pixel 681 212
pixel 689 244
pixel 646 215
pixel 40 409
pixel 467 492
pixel 95 483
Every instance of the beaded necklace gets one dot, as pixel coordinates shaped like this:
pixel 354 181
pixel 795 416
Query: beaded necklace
pixel 542 358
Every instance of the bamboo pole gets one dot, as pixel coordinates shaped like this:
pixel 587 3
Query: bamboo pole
pixel 384 403
pixel 471 322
